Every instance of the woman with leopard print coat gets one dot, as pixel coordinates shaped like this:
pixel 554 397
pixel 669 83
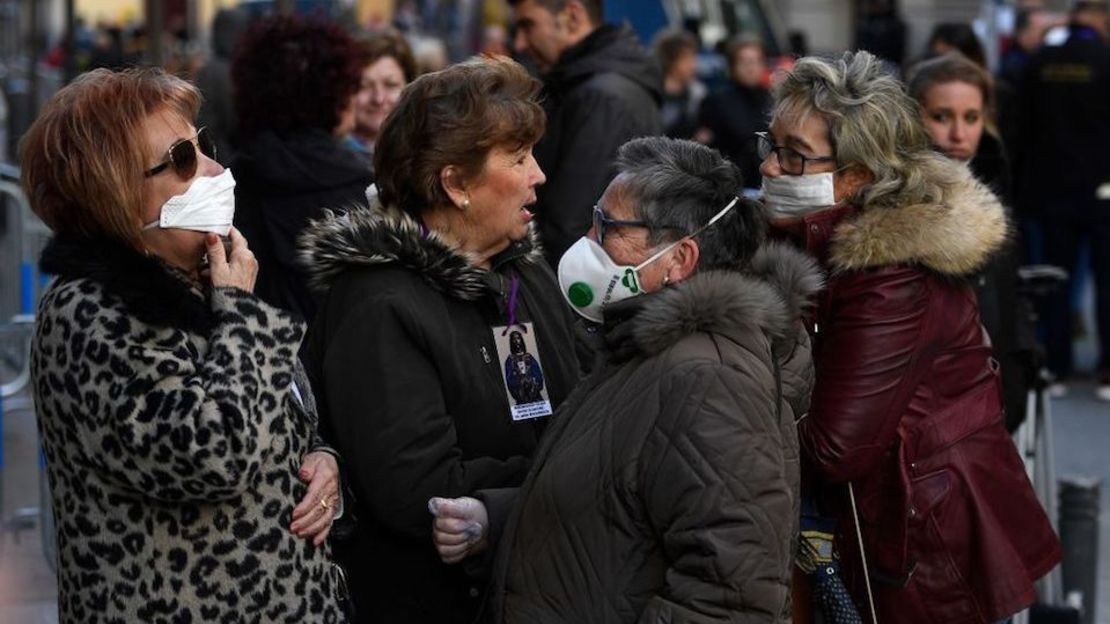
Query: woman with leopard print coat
pixel 177 435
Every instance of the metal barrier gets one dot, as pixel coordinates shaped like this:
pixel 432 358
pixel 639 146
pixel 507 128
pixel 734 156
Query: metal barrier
pixel 24 239
pixel 29 235
pixel 1034 440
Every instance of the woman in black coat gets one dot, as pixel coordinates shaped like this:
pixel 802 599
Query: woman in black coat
pixel 295 86
pixel 425 291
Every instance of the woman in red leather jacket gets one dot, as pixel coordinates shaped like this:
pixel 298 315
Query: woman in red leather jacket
pixel 907 405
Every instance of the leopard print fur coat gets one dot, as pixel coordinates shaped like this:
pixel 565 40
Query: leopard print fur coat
pixel 172 445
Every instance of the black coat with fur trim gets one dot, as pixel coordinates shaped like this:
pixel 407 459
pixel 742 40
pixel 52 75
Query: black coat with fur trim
pixel 409 385
pixel 667 488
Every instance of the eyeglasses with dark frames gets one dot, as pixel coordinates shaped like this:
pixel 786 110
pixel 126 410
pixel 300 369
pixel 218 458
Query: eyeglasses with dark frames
pixel 182 155
pixel 602 221
pixel 791 161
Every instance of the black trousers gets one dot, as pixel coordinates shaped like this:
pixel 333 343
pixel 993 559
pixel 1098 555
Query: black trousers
pixel 1066 225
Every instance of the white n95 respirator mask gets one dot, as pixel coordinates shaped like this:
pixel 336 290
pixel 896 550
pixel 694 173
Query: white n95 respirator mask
pixel 208 205
pixel 590 280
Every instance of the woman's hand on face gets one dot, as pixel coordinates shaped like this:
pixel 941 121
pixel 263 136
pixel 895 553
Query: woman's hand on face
pixel 231 268
pixel 460 528
pixel 313 517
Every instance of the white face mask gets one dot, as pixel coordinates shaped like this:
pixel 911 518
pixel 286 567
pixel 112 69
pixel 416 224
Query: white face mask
pixel 792 196
pixel 207 206
pixel 589 279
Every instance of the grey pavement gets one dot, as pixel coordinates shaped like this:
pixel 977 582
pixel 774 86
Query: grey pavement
pixel 1082 432
pixel 27 585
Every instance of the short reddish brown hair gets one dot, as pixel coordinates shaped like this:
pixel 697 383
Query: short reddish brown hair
pixel 453 117
pixel 83 158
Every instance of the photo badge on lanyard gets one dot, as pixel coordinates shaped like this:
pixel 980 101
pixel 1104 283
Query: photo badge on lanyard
pixel 521 370
pixel 518 358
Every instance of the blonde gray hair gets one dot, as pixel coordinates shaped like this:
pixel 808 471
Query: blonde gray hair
pixel 873 123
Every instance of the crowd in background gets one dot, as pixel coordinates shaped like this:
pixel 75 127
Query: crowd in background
pixel 623 329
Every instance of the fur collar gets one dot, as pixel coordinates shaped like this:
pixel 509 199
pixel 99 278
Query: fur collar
pixel 363 237
pixel 151 290
pixel 772 297
pixel 954 236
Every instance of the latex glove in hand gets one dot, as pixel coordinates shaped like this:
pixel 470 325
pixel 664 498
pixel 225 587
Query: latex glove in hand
pixel 460 527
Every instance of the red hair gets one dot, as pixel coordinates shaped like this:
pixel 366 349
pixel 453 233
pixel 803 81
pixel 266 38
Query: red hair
pixel 83 158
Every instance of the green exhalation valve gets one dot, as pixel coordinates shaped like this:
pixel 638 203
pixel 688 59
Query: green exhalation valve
pixel 580 294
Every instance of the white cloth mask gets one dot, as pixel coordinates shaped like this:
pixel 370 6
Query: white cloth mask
pixel 208 205
pixel 590 280
pixel 794 196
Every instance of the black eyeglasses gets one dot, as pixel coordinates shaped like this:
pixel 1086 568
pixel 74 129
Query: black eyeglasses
pixel 182 155
pixel 791 161
pixel 601 222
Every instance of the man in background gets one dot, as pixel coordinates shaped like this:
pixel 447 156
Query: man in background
pixel 601 89
pixel 1065 91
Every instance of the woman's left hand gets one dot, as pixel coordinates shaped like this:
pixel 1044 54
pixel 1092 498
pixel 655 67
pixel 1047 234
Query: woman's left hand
pixel 313 517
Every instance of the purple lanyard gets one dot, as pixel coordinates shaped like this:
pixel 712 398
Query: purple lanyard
pixel 514 288
pixel 514 284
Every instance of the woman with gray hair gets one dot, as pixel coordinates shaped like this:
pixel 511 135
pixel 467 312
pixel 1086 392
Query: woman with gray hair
pixel 667 488
pixel 906 410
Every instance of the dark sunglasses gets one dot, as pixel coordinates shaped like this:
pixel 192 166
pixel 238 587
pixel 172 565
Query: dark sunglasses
pixel 601 221
pixel 182 155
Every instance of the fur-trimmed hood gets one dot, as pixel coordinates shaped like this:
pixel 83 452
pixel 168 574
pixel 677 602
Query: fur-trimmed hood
pixel 772 298
pixel 955 236
pixel 362 237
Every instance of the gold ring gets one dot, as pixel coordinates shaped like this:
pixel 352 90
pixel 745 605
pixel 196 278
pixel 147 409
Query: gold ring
pixel 325 505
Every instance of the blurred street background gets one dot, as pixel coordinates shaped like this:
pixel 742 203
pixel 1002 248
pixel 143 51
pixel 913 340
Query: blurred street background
pixel 46 43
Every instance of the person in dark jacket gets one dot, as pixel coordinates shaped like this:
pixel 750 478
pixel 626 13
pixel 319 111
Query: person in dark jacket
pixel 905 424
pixel 881 30
pixel 217 111
pixel 730 118
pixel 1066 175
pixel 956 102
pixel 667 487
pixel 295 84
pixel 601 89
pixel 676 51
pixel 1030 25
pixel 407 352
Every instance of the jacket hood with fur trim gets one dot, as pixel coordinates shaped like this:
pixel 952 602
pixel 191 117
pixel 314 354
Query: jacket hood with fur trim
pixel 772 297
pixel 363 237
pixel 955 236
